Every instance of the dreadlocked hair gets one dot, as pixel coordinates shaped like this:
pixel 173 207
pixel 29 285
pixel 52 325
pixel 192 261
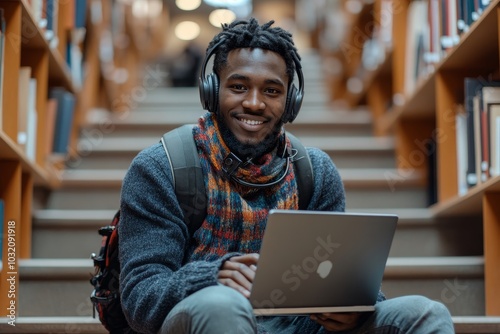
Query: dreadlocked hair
pixel 249 34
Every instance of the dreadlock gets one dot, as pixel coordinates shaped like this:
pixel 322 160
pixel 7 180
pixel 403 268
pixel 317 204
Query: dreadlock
pixel 249 34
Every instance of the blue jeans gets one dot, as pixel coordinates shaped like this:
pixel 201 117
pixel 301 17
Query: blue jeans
pixel 219 309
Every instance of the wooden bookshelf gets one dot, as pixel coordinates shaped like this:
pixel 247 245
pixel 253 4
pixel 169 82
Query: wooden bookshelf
pixel 430 110
pixel 423 119
pixel 25 46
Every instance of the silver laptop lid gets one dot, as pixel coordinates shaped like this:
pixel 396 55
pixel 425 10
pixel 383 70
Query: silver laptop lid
pixel 329 261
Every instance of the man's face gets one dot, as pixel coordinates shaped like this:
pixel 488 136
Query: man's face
pixel 252 94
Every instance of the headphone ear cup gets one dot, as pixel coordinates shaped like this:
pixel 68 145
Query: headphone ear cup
pixel 209 92
pixel 293 102
pixel 215 92
pixel 204 91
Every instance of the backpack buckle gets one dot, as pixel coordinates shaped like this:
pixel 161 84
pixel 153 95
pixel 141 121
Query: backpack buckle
pixel 106 230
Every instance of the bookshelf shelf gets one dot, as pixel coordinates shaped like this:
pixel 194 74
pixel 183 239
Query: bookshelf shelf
pixel 11 151
pixel 420 105
pixel 470 203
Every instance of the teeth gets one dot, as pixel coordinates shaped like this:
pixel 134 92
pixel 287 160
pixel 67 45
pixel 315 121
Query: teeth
pixel 250 122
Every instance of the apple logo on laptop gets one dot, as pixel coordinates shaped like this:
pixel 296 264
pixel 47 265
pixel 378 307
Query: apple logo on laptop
pixel 324 268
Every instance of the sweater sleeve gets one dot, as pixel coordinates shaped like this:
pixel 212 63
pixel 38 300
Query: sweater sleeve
pixel 153 243
pixel 328 193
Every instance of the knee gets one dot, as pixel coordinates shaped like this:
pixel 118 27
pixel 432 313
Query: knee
pixel 417 310
pixel 222 300
pixel 215 309
pixel 422 305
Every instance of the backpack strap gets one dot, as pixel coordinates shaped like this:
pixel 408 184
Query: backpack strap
pixel 188 180
pixel 303 172
pixel 187 175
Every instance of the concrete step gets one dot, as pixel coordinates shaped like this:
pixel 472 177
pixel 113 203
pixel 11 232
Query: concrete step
pixel 365 188
pixel 457 282
pixel 354 152
pixel 88 325
pixel 60 287
pixel 73 233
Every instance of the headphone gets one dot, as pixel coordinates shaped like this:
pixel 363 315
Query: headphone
pixel 209 89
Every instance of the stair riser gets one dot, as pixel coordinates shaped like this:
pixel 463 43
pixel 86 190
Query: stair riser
pixel 462 296
pixel 377 198
pixel 440 239
pixel 358 197
pixel 71 298
pixel 93 136
pixel 462 237
pixel 342 159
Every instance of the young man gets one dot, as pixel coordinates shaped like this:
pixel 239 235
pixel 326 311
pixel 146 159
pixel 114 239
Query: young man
pixel 172 282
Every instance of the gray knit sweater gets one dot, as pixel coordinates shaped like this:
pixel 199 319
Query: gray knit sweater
pixel 154 240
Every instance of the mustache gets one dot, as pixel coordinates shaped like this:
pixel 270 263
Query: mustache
pixel 248 150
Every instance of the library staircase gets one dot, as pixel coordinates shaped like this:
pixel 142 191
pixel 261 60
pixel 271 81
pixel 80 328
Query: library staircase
pixel 436 257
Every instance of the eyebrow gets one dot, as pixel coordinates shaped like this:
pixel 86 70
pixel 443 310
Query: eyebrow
pixel 237 76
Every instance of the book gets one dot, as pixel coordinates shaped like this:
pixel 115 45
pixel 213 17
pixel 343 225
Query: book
pixel 477 138
pixel 31 121
pixel 52 14
pixel 496 171
pixel 417 45
pixel 494 122
pixel 64 118
pixel 473 87
pixel 80 13
pixel 51 113
pixel 489 95
pixel 461 138
pixel 22 112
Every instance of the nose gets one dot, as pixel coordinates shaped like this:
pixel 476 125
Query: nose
pixel 253 101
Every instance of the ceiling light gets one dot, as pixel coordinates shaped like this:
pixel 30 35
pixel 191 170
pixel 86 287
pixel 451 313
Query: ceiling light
pixel 146 8
pixel 187 30
pixel 226 3
pixel 188 4
pixel 219 16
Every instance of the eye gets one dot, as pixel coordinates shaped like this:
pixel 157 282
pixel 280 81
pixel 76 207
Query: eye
pixel 238 87
pixel 273 91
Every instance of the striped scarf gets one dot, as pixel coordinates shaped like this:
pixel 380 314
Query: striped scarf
pixel 237 215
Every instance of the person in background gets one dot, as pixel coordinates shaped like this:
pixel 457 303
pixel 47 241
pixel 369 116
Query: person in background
pixel 184 69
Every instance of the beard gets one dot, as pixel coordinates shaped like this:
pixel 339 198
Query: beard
pixel 246 151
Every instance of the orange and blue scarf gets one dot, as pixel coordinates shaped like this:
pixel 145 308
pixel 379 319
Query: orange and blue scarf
pixel 236 214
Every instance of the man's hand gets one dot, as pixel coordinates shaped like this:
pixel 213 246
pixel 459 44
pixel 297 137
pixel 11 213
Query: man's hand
pixel 238 273
pixel 336 321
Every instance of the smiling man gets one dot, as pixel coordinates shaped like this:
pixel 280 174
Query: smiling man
pixel 172 281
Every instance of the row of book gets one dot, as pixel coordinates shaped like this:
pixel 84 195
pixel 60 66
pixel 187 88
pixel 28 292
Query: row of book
pixel 433 28
pixel 70 18
pixel 478 133
pixel 58 119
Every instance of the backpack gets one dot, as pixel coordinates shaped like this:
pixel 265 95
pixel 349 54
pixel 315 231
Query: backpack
pixel 189 187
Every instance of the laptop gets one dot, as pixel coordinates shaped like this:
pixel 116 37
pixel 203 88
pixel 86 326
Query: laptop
pixel 316 262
